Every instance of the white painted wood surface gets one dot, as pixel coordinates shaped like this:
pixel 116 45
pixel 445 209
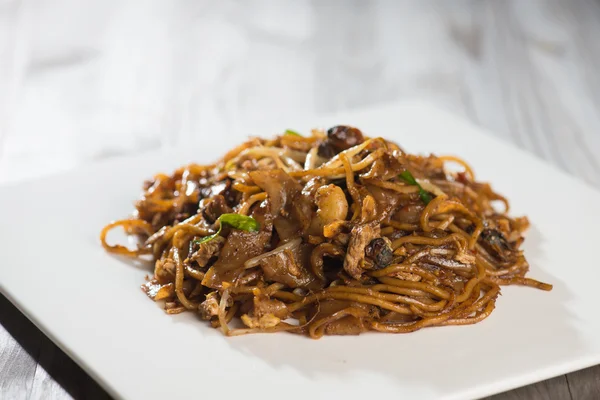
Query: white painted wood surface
pixel 86 81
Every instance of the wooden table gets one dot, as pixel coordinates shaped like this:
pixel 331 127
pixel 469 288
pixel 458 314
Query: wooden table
pixel 88 82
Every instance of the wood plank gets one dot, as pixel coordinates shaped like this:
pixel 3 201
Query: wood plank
pixel 552 389
pixel 19 350
pixel 520 80
pixel 585 384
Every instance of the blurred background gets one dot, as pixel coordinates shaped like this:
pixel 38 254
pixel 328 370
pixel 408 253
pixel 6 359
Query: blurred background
pixel 87 81
pixel 83 81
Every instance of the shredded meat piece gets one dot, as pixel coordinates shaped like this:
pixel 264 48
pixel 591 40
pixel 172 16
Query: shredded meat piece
pixel 444 262
pixel 206 251
pixel 209 307
pixel 342 239
pixel 360 237
pixel 263 305
pixel 157 291
pixel 164 270
pixel 406 276
pixel 465 258
pixel 214 208
pixel 263 322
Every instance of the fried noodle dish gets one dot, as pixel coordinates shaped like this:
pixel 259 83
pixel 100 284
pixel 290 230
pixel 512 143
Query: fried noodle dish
pixel 332 233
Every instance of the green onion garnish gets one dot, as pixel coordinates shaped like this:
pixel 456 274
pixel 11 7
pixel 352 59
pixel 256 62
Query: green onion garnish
pixel 236 221
pixel 291 132
pixel 407 177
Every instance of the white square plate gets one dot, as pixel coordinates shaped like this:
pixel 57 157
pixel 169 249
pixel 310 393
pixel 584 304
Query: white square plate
pixel 90 304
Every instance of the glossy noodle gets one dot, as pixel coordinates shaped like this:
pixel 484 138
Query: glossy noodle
pixel 332 233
